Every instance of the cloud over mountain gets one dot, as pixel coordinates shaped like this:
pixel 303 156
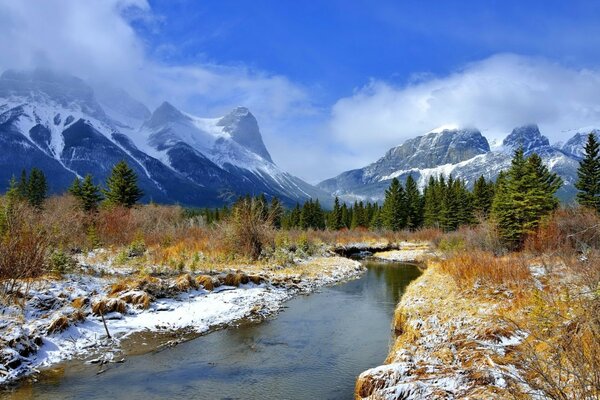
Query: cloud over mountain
pixel 494 95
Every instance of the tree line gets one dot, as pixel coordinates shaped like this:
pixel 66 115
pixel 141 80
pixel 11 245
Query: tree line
pixel 517 201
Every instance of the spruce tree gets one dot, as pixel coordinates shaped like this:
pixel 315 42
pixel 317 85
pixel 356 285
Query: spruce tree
pixel 276 210
pixel 414 204
pixel 75 188
pixel 295 216
pixel 89 194
pixel 524 195
pixel 588 173
pixel 483 195
pixel 37 188
pixel 346 217
pixel 394 207
pixel 23 186
pixel 335 217
pixel 122 188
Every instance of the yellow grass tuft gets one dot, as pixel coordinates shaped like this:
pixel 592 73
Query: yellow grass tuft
pixel 185 282
pixel 58 325
pixel 106 306
pixel 206 281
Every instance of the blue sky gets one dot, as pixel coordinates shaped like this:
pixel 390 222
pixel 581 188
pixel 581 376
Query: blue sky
pixel 336 46
pixel 333 84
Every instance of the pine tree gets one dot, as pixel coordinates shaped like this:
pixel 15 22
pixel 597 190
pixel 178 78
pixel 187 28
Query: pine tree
pixel 376 221
pixel 524 195
pixel 263 206
pixel 122 188
pixel 394 207
pixel 89 194
pixel 295 217
pixel 75 188
pixel 346 216
pixel 588 173
pixel 276 210
pixel 335 217
pixel 37 188
pixel 414 204
pixel 23 186
pixel 483 195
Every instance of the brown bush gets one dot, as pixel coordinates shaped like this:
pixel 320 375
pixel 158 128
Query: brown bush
pixel 23 248
pixel 248 230
pixel 569 230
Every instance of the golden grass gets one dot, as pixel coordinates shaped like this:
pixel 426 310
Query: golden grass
pixel 58 325
pixel 137 298
pixel 80 302
pixel 468 268
pixel 105 306
pixel 185 282
pixel 205 281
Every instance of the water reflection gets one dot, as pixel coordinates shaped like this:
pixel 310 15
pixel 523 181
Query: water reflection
pixel 314 349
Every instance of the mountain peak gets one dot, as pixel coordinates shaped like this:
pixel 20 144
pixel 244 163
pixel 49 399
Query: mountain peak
pixel 165 113
pixel 243 128
pixel 526 136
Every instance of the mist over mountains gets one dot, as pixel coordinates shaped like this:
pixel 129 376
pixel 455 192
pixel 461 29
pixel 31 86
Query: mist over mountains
pixel 56 122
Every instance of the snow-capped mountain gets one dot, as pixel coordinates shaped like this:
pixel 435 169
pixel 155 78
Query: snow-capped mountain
pixel 58 123
pixel 462 153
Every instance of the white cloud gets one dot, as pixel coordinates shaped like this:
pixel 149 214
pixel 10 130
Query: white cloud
pixel 95 40
pixel 495 95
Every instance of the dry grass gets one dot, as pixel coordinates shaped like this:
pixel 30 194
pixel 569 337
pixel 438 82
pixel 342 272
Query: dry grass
pixel 484 268
pixel 185 283
pixel 137 298
pixel 105 306
pixel 207 282
pixel 58 325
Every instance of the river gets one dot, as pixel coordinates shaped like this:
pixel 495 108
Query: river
pixel 314 349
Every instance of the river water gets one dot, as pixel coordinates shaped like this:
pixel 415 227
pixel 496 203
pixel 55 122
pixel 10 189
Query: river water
pixel 314 349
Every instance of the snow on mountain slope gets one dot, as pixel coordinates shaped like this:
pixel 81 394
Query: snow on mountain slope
pixel 59 122
pixel 462 153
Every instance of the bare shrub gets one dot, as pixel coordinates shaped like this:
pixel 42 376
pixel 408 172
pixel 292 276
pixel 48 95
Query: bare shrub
pixel 249 229
pixel 570 230
pixel 23 249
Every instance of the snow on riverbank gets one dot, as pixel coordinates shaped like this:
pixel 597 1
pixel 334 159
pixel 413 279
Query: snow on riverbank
pixel 406 252
pixel 448 346
pixel 57 322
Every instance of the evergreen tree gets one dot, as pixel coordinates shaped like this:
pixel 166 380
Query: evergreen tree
pixel 263 206
pixel 524 195
pixel 89 194
pixel 414 204
pixel 450 206
pixel 346 216
pixel 122 188
pixel 276 210
pixel 75 188
pixel 23 186
pixel 588 173
pixel 394 207
pixel 295 217
pixel 483 195
pixel 377 220
pixel 37 188
pixel 335 217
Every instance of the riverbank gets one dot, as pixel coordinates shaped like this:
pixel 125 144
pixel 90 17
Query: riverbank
pixel 62 317
pixel 476 326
